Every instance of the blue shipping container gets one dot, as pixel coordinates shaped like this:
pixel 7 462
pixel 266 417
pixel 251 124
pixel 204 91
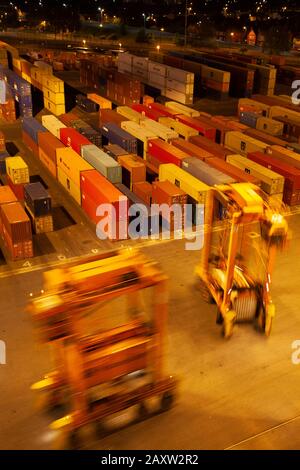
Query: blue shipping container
pixel 115 135
pixel 248 118
pixel 32 127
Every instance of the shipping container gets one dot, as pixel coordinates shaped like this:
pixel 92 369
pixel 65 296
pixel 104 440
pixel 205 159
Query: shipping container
pixel 37 199
pixel 110 116
pixel 290 174
pixel 165 192
pixel 130 114
pixel 114 151
pixel 71 138
pixel 206 144
pixel 113 134
pixel 238 175
pixel 291 127
pixel 102 162
pixel 104 103
pixel 18 189
pixel 97 190
pixel 53 125
pixel 285 155
pixel 194 188
pixel 205 173
pixel 221 128
pixel 133 170
pixel 166 153
pixel 182 110
pixel 191 149
pixel 271 182
pixel 3 156
pixel 168 112
pixel 142 135
pixel 200 125
pixel 182 130
pixel 244 144
pixel 159 130
pixel 17 170
pixel 269 126
pixel 15 222
pixel 70 186
pixel 248 118
pixel 72 164
pixel 267 138
pixel 43 224
pixel 6 195
pixel 144 191
pixel 49 144
pixel 148 112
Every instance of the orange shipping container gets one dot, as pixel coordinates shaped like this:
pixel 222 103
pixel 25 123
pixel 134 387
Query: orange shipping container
pixel 143 191
pixel 133 170
pixel 164 192
pixel 48 162
pixel 285 155
pixel 191 149
pixel 49 144
pixel 238 175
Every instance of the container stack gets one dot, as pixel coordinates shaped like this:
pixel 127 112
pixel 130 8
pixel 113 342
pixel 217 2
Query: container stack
pixel 144 191
pixel 6 196
pixel 142 135
pixel 16 231
pixel 20 90
pixel 180 85
pixel 71 138
pixel 8 108
pixel 114 151
pixel 54 95
pixel 102 102
pixel 38 206
pixel 214 83
pixel 124 89
pixel 17 175
pixel 109 116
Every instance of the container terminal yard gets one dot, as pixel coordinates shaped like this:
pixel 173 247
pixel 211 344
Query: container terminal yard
pixel 124 342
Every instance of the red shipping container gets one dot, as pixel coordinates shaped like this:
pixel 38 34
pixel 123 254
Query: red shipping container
pixel 153 114
pixel 166 153
pixel 221 128
pixel 291 174
pixel 210 146
pixel 199 124
pixel 30 143
pixel 191 149
pixel 97 190
pixel 17 189
pixel 71 138
pixel 68 118
pixel 168 112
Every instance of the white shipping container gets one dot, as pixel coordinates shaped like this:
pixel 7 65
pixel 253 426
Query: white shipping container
pixel 52 124
pixel 177 96
pixel 160 130
pixel 141 73
pixel 157 69
pixel 125 68
pixel 180 75
pixel 157 81
pixel 181 109
pixel 140 62
pixel 186 88
pixel 125 58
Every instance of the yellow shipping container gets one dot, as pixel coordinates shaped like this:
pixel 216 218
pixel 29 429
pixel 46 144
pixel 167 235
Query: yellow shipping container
pixel 243 144
pixel 247 102
pixel 182 109
pixel 17 170
pixel 57 110
pixel 55 98
pixel 71 163
pixel 281 111
pixel 104 103
pixel 163 132
pixel 130 114
pixel 271 182
pixel 17 64
pixel 211 73
pixel 69 185
pixel 139 133
pixel 269 126
pixel 188 183
pixel 26 77
pixel 53 84
pixel 182 129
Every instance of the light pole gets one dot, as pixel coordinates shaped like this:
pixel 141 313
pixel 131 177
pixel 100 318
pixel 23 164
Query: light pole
pixel 101 10
pixel 144 16
pixel 185 23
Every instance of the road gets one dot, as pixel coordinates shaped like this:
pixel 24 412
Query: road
pixel 236 394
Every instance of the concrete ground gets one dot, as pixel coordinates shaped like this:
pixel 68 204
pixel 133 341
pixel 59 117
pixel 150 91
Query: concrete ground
pixel 237 394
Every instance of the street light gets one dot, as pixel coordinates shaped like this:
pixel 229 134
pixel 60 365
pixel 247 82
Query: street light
pixel 144 16
pixel 120 45
pixel 101 10
pixel 84 42
pixel 158 47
